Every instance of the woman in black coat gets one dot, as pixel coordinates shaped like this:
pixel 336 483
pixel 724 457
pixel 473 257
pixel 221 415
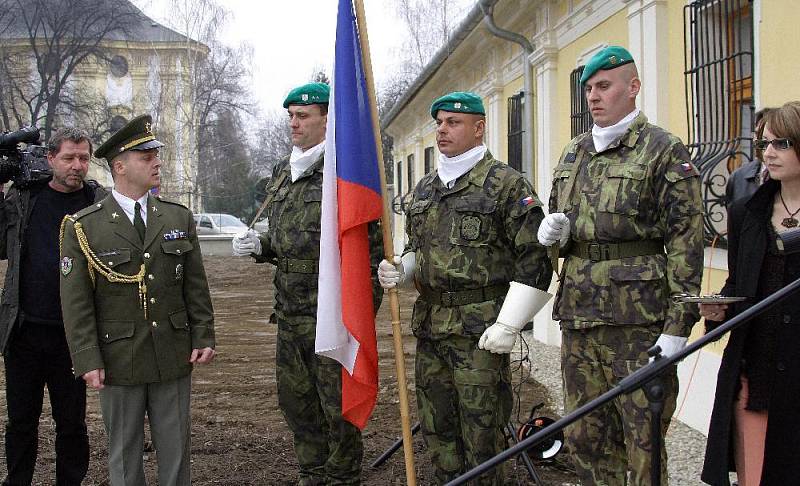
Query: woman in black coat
pixel 756 416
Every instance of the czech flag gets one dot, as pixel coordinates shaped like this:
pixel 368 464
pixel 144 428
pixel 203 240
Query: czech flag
pixel 351 198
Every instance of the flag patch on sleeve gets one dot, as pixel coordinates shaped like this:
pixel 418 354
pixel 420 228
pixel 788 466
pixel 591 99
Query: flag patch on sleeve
pixel 527 201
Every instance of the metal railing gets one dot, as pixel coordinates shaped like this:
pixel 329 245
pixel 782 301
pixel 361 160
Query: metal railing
pixel 719 84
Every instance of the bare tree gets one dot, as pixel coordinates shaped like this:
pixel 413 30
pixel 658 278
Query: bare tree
pixel 428 24
pixel 215 83
pixel 273 142
pixel 43 43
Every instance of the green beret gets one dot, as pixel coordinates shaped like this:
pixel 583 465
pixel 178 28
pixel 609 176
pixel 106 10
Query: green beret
pixel 459 102
pixel 137 134
pixel 308 94
pixel 609 58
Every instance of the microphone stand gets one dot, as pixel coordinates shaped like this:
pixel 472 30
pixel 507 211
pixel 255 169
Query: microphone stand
pixel 635 380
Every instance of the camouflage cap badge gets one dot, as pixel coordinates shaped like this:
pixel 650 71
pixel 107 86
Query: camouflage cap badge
pixel 459 102
pixel 308 94
pixel 611 57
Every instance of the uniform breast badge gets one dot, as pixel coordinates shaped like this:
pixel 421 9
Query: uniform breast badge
pixel 470 227
pixel 175 235
pixel 178 271
pixel 66 265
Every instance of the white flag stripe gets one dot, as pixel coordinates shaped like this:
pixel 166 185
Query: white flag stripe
pixel 332 337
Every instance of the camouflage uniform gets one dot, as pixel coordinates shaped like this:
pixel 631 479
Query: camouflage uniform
pixel 613 307
pixel 480 234
pixel 328 448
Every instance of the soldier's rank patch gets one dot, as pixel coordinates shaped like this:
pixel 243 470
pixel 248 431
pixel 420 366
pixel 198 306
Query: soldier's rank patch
pixel 66 265
pixel 470 227
pixel 178 271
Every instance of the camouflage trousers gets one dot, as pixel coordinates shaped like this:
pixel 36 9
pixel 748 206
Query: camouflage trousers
pixel 328 448
pixel 611 446
pixel 464 401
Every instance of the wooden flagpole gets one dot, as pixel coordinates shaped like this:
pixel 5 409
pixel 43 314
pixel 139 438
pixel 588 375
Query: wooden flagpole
pixel 388 250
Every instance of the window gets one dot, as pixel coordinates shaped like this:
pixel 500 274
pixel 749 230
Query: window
pixel 117 123
pixel 719 101
pixel 410 172
pixel 515 131
pixel 119 66
pixel 399 178
pixel 580 118
pixel 428 159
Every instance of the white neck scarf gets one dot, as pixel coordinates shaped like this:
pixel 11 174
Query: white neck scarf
pixel 451 168
pixel 604 136
pixel 301 160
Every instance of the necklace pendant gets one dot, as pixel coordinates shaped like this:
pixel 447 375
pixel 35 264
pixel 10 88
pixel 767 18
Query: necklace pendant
pixel 789 222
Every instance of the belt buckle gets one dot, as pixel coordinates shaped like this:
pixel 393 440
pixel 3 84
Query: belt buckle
pixel 595 252
pixel 447 299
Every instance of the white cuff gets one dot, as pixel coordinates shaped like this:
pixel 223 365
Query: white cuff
pixel 521 304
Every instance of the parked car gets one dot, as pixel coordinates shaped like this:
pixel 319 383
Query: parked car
pixel 218 223
pixel 262 225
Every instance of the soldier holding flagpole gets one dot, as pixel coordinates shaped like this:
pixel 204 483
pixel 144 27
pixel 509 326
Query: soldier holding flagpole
pixel 328 447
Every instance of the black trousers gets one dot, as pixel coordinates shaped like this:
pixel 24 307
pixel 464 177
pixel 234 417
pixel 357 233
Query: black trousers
pixel 38 355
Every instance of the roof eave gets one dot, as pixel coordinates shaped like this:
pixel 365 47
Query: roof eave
pixel 467 26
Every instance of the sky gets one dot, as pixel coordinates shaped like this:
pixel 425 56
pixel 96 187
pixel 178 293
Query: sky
pixel 291 39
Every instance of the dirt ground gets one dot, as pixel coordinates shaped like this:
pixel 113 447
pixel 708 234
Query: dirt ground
pixel 239 436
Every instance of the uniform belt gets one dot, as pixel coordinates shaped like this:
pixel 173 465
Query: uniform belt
pixel 462 297
pixel 294 265
pixel 614 251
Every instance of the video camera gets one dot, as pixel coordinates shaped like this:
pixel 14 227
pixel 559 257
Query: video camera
pixel 23 166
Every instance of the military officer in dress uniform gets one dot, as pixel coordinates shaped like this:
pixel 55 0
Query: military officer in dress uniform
pixel 137 309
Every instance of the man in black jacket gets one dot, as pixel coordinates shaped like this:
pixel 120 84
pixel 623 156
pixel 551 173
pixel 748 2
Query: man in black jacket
pixel 32 336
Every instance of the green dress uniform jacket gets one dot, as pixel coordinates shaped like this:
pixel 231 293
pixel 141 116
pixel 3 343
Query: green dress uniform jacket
pixel 106 322
pixel 641 188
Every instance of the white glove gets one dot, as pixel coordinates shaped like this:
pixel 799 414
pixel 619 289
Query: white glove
pixel 521 304
pixel 246 243
pixel 669 345
pixel 554 227
pixel 391 274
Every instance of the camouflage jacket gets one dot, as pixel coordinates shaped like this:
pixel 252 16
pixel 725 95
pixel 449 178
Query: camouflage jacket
pixel 479 233
pixel 293 213
pixel 642 187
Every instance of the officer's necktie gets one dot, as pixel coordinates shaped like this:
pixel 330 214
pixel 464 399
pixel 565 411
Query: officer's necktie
pixel 138 222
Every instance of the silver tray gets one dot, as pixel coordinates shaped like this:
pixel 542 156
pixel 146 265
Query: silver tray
pixel 707 299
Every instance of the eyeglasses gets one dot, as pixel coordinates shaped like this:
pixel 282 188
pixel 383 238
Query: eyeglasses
pixel 777 143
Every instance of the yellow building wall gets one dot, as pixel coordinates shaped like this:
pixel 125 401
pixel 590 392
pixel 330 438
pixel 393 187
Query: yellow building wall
pixel 613 31
pixel 677 123
pixel 779 56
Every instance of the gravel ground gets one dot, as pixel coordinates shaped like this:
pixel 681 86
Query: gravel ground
pixel 685 446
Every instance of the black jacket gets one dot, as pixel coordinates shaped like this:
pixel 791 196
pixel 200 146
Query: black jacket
pixel 744 182
pixel 747 240
pixel 15 211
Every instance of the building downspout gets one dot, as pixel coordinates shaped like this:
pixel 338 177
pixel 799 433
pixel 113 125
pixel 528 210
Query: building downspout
pixel 487 6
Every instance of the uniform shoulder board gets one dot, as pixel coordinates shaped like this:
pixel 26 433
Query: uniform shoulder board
pixel 174 203
pixel 88 210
